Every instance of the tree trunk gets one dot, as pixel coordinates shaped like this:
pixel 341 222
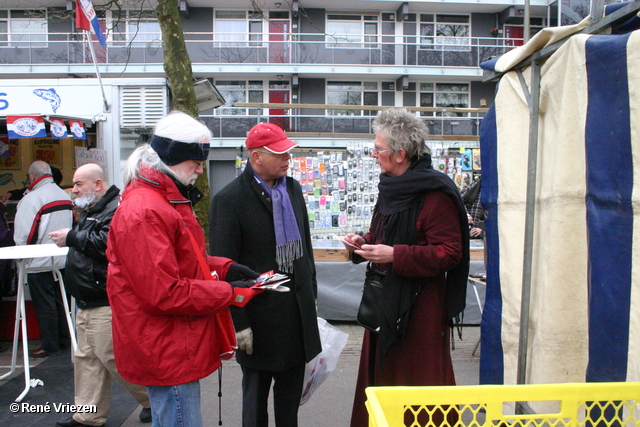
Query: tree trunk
pixel 177 66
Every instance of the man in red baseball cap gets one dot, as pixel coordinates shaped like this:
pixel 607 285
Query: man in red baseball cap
pixel 270 137
pixel 261 219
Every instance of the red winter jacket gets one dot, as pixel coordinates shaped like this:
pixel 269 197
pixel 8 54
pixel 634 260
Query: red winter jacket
pixel 163 310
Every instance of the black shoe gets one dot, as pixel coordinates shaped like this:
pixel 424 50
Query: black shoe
pixel 70 422
pixel 145 415
pixel 43 353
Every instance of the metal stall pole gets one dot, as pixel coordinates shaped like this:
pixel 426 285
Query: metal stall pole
pixel 534 104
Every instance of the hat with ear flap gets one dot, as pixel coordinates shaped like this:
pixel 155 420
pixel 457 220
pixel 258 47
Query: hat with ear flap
pixel 172 152
pixel 179 137
pixel 270 137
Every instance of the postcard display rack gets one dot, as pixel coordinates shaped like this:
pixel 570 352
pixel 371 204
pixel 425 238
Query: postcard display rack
pixel 341 186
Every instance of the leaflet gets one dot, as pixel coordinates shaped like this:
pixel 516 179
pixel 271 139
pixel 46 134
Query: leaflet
pixel 271 281
pixel 353 245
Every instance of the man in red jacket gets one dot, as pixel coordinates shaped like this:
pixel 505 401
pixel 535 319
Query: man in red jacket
pixel 170 309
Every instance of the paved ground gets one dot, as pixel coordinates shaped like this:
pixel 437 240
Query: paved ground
pixel 330 405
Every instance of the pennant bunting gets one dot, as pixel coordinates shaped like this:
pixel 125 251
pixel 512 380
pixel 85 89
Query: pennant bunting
pixel 58 129
pixel 25 127
pixel 77 129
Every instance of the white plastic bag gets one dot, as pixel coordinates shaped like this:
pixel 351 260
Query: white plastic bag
pixel 317 370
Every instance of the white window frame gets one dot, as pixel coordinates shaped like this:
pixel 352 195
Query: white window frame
pixel 131 35
pixel 240 91
pixel 438 39
pixel 338 38
pixel 355 90
pixel 439 91
pixel 243 38
pixel 15 38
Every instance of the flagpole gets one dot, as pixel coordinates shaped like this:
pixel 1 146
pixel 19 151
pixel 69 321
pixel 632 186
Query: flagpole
pixel 95 63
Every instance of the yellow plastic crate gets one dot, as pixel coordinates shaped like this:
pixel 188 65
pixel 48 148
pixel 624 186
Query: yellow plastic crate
pixel 553 405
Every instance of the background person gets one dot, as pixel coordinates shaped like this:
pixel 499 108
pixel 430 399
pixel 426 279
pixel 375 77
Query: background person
pixel 418 237
pixel 86 280
pixel 260 219
pixel 471 198
pixel 7 274
pixel 44 208
pixel 17 194
pixel 167 332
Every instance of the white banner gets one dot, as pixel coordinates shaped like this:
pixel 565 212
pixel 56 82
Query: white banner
pixel 77 101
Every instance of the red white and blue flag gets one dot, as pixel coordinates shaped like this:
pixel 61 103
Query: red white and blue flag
pixel 58 129
pixel 86 19
pixel 77 129
pixel 25 127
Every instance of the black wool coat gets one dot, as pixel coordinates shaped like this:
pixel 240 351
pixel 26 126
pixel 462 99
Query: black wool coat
pixel 284 324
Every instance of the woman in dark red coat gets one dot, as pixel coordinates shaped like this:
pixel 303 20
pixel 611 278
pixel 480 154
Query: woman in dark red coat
pixel 418 237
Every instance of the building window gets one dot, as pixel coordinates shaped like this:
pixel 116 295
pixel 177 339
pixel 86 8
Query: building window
pixel 352 93
pixel 442 95
pixel 234 28
pixel 137 28
pixel 448 32
pixel 22 29
pixel 235 91
pixel 351 31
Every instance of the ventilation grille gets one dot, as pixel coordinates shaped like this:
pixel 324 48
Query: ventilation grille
pixel 142 106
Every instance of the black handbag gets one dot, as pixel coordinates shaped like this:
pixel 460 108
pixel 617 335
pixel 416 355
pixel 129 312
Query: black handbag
pixel 370 310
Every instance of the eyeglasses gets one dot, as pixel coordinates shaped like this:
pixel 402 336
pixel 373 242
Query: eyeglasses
pixel 378 151
pixel 197 163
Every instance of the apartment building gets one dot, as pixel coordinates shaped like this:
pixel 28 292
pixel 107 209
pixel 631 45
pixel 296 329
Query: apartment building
pixel 318 68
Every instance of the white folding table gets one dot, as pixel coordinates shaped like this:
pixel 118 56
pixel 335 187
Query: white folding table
pixel 22 254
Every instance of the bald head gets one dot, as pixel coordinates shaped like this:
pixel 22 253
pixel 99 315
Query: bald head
pixel 93 171
pixel 89 185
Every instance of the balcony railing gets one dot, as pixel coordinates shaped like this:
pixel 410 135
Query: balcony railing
pixel 326 126
pixel 69 48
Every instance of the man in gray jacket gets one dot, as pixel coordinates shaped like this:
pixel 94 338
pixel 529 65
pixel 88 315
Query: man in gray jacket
pixel 86 280
pixel 45 207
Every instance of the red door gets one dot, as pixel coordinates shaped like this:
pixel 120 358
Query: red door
pixel 278 116
pixel 513 35
pixel 279 36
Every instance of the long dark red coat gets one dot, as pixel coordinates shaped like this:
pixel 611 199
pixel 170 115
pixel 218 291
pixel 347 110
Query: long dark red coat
pixel 422 356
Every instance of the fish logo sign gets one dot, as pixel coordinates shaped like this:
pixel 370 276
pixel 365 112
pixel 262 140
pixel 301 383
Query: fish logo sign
pixel 51 96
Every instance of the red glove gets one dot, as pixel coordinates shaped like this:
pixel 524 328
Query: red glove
pixel 243 292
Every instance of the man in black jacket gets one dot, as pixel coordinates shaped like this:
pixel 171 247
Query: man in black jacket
pixel 85 278
pixel 260 220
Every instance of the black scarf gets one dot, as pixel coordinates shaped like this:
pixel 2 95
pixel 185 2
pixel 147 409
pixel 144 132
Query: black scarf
pixel 400 201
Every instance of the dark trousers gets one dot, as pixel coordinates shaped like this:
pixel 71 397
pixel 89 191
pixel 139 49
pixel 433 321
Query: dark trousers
pixel 47 303
pixel 287 390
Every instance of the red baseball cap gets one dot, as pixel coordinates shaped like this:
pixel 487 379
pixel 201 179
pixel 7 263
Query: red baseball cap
pixel 270 137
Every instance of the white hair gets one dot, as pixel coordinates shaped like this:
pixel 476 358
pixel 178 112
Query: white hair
pixel 144 154
pixel 177 126
pixel 403 129
pixel 39 168
pixel 180 126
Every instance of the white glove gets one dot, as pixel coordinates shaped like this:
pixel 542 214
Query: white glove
pixel 244 339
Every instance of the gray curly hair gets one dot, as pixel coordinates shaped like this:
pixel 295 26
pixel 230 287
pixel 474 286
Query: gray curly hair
pixel 403 129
